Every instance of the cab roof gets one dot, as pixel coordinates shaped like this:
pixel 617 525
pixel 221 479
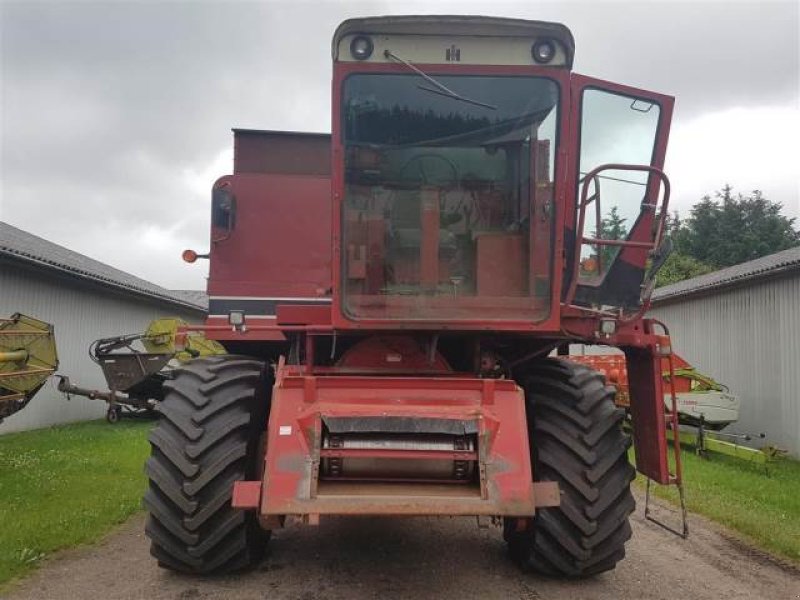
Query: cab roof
pixel 456 25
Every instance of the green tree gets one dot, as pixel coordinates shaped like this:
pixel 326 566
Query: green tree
pixel 730 229
pixel 612 227
pixel 720 232
pixel 679 267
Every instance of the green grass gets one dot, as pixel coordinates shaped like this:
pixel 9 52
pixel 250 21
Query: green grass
pixel 763 507
pixel 65 486
pixel 70 485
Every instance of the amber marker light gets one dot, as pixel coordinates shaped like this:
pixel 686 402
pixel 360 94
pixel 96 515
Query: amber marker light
pixel 190 256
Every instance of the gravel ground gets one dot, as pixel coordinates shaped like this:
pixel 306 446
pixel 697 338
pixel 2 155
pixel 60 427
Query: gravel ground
pixel 420 558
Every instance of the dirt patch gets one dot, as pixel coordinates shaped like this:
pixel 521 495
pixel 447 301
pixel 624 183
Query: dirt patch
pixel 367 558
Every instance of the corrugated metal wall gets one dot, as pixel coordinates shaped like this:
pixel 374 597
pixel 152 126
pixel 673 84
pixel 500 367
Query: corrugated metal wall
pixel 81 312
pixel 749 339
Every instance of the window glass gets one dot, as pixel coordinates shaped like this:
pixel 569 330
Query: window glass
pixel 448 202
pixel 614 129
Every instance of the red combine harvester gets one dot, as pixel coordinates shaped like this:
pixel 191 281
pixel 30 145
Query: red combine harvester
pixel 390 295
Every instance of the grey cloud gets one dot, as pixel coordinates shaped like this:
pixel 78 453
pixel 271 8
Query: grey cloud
pixel 105 105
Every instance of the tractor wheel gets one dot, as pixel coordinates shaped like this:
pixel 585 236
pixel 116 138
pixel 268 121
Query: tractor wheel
pixel 207 437
pixel 577 440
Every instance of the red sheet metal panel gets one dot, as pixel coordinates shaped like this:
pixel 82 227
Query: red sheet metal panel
pixel 393 353
pixel 291 482
pixel 303 314
pixel 280 245
pixel 648 413
pixel 287 152
pixel 246 494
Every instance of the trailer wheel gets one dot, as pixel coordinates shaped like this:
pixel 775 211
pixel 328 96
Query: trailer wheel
pixel 577 440
pixel 114 414
pixel 211 419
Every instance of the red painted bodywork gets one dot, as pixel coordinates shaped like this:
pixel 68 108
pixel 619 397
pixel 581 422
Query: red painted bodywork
pixel 301 402
pixel 392 354
pixel 269 255
pixel 282 264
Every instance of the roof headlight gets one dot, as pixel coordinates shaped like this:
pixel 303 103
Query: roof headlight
pixel 361 47
pixel 543 51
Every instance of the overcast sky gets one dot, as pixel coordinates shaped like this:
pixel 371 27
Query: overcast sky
pixel 116 116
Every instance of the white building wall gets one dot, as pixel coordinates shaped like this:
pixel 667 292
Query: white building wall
pixel 81 313
pixel 749 339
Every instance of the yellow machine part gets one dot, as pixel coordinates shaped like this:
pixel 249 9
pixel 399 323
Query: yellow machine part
pixel 162 337
pixel 27 358
pixel 27 353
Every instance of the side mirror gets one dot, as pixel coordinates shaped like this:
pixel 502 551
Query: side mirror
pixel 223 212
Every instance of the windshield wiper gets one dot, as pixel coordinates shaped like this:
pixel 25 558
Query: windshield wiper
pixel 443 89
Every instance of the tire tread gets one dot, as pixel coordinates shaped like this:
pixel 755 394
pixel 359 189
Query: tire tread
pixel 212 414
pixel 576 440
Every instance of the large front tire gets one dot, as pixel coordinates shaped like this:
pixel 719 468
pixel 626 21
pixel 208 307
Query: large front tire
pixel 207 437
pixel 576 440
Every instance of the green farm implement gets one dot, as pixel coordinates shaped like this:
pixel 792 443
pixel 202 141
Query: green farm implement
pixel 27 358
pixel 136 366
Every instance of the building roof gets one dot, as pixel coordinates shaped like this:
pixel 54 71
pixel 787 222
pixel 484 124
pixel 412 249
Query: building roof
pixel 766 266
pixel 26 247
pixel 198 297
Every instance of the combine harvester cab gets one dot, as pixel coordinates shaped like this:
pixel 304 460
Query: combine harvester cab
pixel 389 296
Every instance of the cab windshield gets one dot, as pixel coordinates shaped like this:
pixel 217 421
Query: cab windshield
pixel 448 203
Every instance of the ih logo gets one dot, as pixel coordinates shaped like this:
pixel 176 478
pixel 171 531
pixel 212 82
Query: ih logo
pixel 452 54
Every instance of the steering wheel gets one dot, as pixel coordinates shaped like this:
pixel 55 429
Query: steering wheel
pixel 425 177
